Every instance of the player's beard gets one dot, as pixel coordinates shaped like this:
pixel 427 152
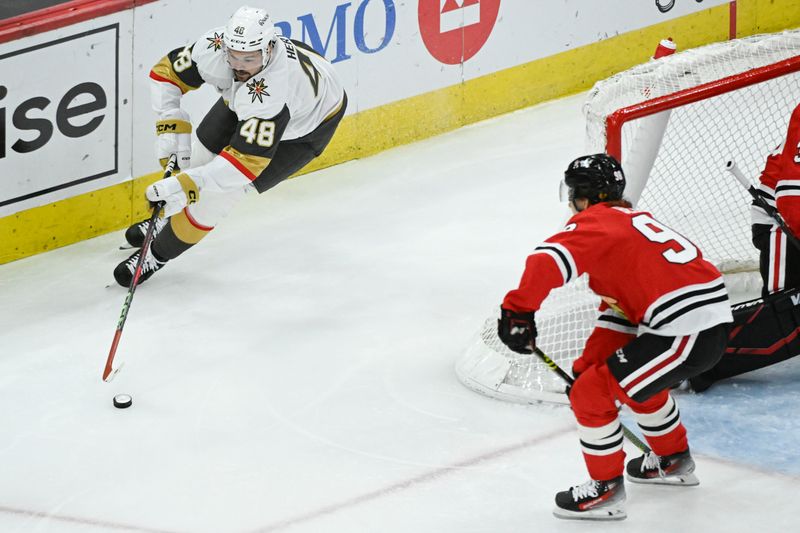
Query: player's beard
pixel 242 75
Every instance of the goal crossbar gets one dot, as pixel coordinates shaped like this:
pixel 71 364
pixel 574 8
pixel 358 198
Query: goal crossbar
pixel 617 119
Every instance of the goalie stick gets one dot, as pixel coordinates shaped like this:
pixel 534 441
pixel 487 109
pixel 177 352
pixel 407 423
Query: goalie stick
pixel 636 441
pixel 759 200
pixel 109 372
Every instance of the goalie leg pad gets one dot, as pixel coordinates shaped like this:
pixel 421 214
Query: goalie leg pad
pixel 765 332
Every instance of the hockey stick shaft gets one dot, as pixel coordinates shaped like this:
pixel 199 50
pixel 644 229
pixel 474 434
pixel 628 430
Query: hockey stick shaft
pixel 109 371
pixel 759 200
pixel 636 441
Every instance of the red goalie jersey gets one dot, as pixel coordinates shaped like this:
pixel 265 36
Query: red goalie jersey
pixel 780 180
pixel 655 280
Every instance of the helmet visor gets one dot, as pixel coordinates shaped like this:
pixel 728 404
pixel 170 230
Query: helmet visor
pixel 244 60
pixel 564 192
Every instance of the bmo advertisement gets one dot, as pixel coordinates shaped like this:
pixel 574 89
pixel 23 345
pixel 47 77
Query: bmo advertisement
pixel 75 111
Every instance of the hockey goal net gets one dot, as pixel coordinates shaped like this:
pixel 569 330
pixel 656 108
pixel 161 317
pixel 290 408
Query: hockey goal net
pixel 673 122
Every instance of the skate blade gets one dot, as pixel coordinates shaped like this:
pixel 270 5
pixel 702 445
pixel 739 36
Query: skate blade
pixel 686 480
pixel 610 513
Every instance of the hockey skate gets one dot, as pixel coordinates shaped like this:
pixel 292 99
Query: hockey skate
pixel 124 271
pixel 135 233
pixel 700 383
pixel 594 500
pixel 676 469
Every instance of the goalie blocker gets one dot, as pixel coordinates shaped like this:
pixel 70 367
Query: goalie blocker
pixel 765 332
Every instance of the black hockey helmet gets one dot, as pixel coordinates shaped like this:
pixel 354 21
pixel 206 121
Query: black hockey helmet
pixel 596 177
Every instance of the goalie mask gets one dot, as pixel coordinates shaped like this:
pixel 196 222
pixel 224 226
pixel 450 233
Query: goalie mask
pixel 597 177
pixel 250 29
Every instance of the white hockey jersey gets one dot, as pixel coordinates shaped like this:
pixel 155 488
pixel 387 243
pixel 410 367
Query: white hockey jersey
pixel 295 92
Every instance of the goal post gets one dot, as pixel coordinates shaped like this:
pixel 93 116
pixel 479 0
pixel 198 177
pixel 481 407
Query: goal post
pixel 690 95
pixel 673 122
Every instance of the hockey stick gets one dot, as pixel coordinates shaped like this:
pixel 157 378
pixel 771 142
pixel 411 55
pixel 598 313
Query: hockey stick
pixel 636 441
pixel 759 200
pixel 109 371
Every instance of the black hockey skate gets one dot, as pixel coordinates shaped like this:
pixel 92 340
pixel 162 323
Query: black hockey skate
pixel 135 233
pixel 594 500
pixel 125 270
pixel 676 469
pixel 700 383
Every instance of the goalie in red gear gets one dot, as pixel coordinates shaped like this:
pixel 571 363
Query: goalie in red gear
pixel 663 318
pixel 780 187
pixel 766 332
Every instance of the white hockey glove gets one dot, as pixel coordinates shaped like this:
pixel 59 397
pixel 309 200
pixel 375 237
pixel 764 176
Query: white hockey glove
pixel 176 192
pixel 174 132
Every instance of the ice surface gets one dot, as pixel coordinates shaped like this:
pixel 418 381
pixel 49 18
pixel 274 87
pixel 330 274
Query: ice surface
pixel 294 372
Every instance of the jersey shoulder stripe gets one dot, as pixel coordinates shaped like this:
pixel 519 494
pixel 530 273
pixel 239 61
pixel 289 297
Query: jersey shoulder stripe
pixel 562 257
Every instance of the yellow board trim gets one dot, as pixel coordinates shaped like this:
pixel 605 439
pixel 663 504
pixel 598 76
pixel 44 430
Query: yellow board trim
pixel 368 132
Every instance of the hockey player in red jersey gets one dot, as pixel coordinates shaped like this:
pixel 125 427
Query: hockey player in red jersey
pixel 780 187
pixel 280 104
pixel 663 318
pixel 767 334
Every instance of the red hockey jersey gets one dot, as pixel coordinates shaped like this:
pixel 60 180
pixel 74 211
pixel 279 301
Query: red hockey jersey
pixel 652 274
pixel 780 180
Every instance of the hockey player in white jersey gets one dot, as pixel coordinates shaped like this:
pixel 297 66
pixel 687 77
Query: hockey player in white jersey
pixel 280 105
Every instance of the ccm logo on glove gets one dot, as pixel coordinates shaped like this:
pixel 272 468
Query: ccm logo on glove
pixel 176 192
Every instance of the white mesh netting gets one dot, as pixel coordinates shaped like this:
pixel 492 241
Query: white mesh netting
pixel 674 161
pixel 686 187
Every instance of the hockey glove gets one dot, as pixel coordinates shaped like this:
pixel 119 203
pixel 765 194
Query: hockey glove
pixel 175 192
pixel 579 366
pixel 517 330
pixel 174 136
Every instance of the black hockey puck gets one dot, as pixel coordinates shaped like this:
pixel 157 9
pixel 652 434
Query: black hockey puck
pixel 122 401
